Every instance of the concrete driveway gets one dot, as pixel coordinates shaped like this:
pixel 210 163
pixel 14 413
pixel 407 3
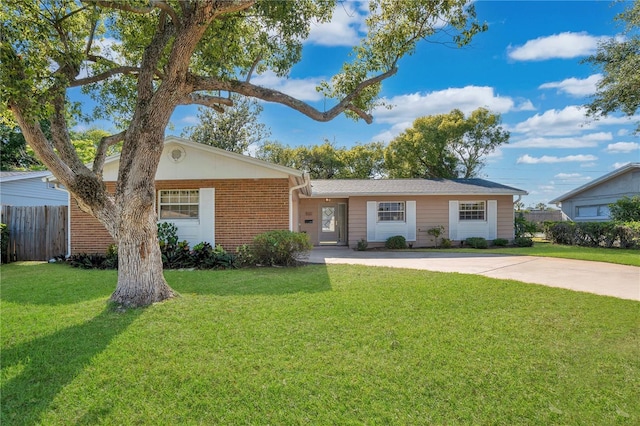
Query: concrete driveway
pixel 593 277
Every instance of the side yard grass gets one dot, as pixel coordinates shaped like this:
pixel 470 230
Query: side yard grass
pixel 321 344
pixel 547 249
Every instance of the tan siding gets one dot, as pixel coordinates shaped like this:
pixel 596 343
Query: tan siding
pixel 431 211
pixel 244 208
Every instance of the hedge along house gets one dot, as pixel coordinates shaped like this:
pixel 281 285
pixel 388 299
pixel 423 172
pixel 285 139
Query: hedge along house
pixel 210 194
pixel 344 212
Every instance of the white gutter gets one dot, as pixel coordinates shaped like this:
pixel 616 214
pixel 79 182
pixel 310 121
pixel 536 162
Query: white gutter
pixel 518 200
pixel 304 183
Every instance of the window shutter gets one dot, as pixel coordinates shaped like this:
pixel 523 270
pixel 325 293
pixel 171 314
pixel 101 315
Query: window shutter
pixel 453 220
pixel 372 215
pixel 207 215
pixel 411 220
pixel 492 219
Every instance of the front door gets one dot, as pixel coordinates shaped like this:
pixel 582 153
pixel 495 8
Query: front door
pixel 333 224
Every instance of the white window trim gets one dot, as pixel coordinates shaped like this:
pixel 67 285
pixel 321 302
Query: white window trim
pixel 403 211
pixel 160 204
pixel 484 210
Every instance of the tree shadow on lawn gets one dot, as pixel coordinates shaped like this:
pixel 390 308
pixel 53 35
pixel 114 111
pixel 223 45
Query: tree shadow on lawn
pixel 267 281
pixel 50 363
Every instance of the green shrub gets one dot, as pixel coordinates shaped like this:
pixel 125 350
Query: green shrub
pixel 435 232
pixel 626 209
pixel 396 242
pixel 4 243
pixel 244 256
pixel 111 257
pixel 362 245
pixel 280 247
pixel 167 233
pixel 523 242
pixel 500 242
pixel 88 261
pixel 477 242
pixel 445 243
pixel 594 234
pixel 523 227
pixel 629 235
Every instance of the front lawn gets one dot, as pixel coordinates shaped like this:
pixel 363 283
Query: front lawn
pixel 546 249
pixel 322 344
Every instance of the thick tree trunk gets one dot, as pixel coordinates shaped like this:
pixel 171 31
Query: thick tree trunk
pixel 140 276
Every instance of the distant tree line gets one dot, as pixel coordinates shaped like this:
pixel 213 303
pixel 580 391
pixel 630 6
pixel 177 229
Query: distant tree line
pixel 439 146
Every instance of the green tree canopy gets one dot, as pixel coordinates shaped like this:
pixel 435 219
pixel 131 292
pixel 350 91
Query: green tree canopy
pixel 234 129
pixel 326 161
pixel 626 209
pixel 619 60
pixel 445 145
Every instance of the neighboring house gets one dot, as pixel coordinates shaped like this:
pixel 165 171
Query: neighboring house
pixel 225 198
pixel 29 189
pixel 343 212
pixel 590 202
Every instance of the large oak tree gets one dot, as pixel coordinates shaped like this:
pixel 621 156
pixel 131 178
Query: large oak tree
pixel 142 59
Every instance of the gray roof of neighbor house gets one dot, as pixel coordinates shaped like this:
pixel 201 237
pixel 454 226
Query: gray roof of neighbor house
pixel 358 187
pixel 602 179
pixel 19 175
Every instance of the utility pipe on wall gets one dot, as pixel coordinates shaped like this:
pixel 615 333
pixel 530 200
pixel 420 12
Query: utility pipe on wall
pixel 304 183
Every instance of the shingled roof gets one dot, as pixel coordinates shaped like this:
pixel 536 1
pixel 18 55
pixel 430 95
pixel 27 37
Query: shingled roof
pixel 335 188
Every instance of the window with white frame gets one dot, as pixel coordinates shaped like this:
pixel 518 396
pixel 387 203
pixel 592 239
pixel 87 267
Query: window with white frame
pixel 391 211
pixel 179 204
pixel 596 211
pixel 472 210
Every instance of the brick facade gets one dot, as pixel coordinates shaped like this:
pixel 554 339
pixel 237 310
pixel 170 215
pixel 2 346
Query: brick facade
pixel 244 208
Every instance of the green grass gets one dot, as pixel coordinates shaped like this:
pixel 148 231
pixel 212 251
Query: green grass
pixel 332 344
pixel 546 249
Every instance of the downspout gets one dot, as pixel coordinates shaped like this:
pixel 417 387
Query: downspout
pixel 518 200
pixel 304 183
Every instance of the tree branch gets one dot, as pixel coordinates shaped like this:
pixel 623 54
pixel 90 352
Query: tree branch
pixel 201 83
pixel 103 76
pixel 253 68
pixel 168 9
pixel 207 100
pixel 121 6
pixel 101 152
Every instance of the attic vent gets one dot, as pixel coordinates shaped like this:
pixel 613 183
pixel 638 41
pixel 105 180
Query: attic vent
pixel 177 154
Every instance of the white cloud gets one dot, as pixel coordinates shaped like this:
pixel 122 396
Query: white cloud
pixel 572 177
pixel 564 45
pixel 303 89
pixel 406 108
pixel 575 86
pixel 618 165
pixel 548 159
pixel 345 28
pixel 587 141
pixel 622 147
pixel 570 120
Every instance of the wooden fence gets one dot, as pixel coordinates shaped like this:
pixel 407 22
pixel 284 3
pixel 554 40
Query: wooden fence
pixel 35 232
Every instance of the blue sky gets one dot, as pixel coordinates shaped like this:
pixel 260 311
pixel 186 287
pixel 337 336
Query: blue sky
pixel 527 67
